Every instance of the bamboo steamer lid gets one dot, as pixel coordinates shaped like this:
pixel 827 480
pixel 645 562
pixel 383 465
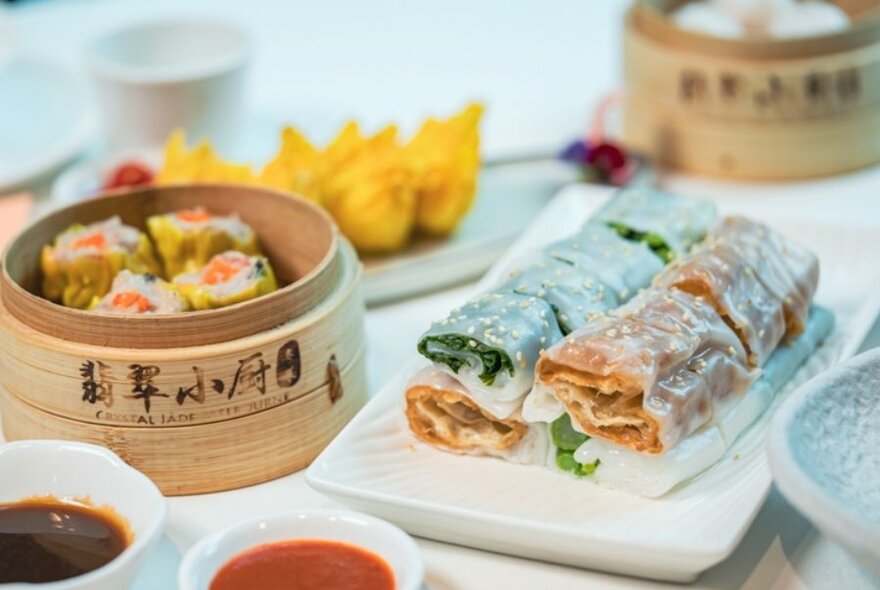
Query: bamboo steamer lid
pixel 199 401
pixel 753 108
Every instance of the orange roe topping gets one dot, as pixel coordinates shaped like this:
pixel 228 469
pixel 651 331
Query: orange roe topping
pixel 221 269
pixel 194 215
pixel 127 299
pixel 96 240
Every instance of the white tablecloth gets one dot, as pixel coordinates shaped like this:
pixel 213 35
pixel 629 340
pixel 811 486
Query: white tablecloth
pixel 539 67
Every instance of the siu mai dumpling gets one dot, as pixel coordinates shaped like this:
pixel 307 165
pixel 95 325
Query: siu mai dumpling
pixel 228 278
pixel 84 259
pixel 188 239
pixel 146 293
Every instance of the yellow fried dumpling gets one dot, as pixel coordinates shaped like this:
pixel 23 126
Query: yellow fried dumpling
pixel 200 164
pixel 368 190
pixel 295 168
pixel 445 160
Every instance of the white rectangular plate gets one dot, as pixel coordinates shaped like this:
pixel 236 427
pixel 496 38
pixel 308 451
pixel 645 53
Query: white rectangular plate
pixel 376 465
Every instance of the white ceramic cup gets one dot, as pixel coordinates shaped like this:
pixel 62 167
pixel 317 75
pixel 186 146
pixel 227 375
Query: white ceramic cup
pixel 156 77
pixel 77 470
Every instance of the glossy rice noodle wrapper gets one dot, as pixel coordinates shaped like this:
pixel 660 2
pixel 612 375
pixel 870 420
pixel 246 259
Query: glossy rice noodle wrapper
pixel 759 282
pixel 787 269
pixel 441 412
pixel 187 240
pixel 228 278
pixel 576 294
pixel 621 468
pixel 723 278
pixel 140 294
pixel 680 221
pixel 624 266
pixel 84 260
pixel 490 345
pixel 648 374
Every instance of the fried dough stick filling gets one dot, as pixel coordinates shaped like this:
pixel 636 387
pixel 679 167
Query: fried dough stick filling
pixel 440 414
pixel 650 374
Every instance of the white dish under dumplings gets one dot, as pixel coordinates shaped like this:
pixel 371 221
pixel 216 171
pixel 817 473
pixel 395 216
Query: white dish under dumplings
pixel 378 466
pixel 45 119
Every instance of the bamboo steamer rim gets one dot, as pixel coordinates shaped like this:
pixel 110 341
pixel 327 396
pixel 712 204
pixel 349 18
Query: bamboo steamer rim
pixel 651 17
pixel 46 371
pixel 186 329
pixel 350 273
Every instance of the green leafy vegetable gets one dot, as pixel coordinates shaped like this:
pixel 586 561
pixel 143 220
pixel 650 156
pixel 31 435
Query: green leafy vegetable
pixel 653 241
pixel 565 461
pixel 453 351
pixel 567 440
pixel 564 436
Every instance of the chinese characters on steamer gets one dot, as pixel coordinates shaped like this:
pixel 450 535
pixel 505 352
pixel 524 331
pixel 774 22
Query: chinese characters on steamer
pixel 250 376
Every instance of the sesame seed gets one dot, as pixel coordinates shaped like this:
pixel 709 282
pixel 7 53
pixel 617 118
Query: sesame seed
pixel 472 343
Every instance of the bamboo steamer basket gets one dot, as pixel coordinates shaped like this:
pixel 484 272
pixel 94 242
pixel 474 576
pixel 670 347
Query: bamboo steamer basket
pixel 199 401
pixel 756 109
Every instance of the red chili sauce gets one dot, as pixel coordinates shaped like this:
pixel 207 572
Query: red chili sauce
pixel 304 565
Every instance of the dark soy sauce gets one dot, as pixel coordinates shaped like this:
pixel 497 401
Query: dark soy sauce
pixel 45 540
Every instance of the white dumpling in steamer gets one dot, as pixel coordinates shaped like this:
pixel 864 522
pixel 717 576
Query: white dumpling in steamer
pixel 702 17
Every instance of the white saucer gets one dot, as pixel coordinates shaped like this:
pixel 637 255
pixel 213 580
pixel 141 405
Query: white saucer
pixel 824 449
pixel 45 120
pixel 160 570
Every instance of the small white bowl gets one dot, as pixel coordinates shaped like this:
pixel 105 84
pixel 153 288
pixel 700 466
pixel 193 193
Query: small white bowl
pixel 71 470
pixel 824 450
pixel 205 558
pixel 179 73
